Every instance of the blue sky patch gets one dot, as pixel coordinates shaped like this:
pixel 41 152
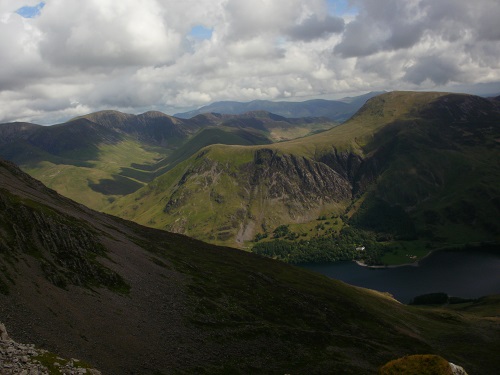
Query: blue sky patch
pixel 31 12
pixel 340 8
pixel 201 32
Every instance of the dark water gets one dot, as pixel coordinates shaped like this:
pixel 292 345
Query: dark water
pixel 457 273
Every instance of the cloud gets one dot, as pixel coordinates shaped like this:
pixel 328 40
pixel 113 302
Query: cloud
pixel 19 46
pixel 383 26
pixel 437 69
pixel 161 54
pixel 423 42
pixel 105 33
pixel 315 27
pixel 387 25
pixel 249 19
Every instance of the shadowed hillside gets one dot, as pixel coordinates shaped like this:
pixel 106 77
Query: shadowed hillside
pixel 130 299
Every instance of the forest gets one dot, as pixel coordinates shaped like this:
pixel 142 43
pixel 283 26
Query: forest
pixel 345 245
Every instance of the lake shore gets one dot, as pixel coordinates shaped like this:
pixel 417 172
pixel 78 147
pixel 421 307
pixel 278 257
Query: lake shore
pixel 360 263
pixel 416 263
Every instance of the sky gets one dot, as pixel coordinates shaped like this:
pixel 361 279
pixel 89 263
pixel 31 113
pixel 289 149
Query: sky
pixel 64 58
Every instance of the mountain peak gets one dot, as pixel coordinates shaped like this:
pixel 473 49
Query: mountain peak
pixel 107 118
pixel 154 114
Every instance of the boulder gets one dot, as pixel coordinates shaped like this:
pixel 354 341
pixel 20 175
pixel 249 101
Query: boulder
pixel 3 333
pixel 457 370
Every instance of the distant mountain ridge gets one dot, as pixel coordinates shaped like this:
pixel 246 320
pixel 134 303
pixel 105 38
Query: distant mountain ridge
pixel 231 179
pixel 336 110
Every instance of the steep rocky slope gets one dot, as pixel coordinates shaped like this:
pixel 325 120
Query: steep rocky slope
pixel 130 299
pixel 220 196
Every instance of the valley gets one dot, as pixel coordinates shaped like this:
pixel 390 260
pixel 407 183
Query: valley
pixel 394 174
pixel 407 174
pixel 97 158
pixel 238 187
pixel 408 170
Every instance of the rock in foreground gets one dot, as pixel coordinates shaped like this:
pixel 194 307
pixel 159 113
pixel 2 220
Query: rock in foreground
pixel 421 365
pixel 25 359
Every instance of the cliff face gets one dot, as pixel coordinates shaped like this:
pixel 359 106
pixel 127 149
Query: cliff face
pixel 297 179
pixel 269 190
pixel 226 199
pixel 357 169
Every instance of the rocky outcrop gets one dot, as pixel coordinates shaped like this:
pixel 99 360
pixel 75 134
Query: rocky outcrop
pixel 25 359
pixel 270 189
pixel 67 249
pixel 420 364
pixel 457 370
pixel 296 178
pixel 3 333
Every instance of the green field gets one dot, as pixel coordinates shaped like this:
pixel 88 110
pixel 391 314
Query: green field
pixel 404 252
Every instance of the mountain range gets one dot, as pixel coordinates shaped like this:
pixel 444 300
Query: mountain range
pixel 104 155
pixel 129 299
pixel 407 168
pixel 336 110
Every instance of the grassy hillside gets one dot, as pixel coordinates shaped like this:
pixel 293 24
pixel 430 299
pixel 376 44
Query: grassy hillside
pixel 97 158
pixel 354 135
pixel 443 172
pixel 99 180
pixel 409 166
pixel 130 299
pixel 83 158
pixel 223 194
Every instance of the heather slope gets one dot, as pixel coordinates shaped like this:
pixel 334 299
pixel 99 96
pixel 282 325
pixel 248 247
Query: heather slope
pixel 168 304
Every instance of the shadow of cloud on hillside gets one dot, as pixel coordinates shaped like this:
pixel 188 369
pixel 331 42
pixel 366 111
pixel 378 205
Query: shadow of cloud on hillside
pixel 118 185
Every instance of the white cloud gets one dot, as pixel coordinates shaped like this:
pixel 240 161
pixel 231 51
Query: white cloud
pixel 106 34
pixel 80 56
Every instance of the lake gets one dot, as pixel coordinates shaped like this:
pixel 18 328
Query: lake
pixel 457 273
